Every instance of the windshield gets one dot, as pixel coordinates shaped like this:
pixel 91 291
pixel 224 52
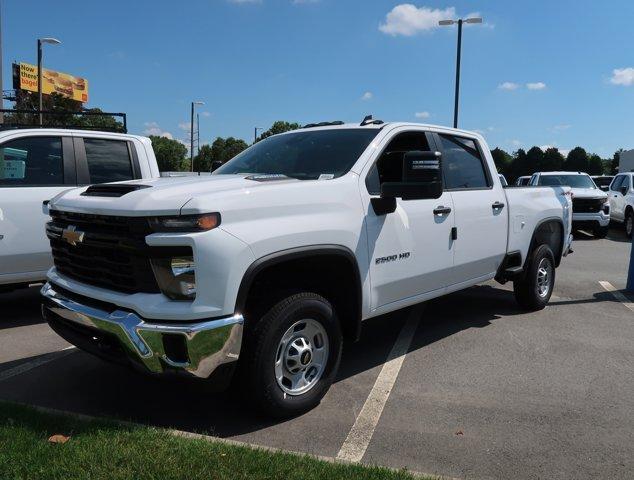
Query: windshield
pixel 574 181
pixel 306 155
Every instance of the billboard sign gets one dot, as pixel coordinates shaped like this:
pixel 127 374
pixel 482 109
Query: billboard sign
pixel 64 84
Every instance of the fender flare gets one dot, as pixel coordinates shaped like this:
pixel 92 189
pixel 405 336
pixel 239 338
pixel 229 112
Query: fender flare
pixel 295 253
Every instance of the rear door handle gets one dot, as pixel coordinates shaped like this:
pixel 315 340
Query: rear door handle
pixel 442 210
pixel 497 206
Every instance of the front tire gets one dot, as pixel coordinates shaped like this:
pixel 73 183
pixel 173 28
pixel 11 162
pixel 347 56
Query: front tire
pixel 534 289
pixel 294 355
pixel 628 223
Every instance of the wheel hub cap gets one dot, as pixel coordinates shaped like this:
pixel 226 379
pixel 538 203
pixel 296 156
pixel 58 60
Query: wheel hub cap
pixel 544 274
pixel 301 357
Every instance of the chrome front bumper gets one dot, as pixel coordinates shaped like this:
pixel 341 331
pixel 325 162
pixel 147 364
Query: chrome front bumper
pixel 194 349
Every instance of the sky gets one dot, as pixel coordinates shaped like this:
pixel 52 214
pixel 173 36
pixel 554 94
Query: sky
pixel 539 72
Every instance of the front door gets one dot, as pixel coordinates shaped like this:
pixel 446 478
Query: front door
pixel 410 250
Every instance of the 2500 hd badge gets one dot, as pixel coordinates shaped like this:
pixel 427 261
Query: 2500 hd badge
pixel 391 258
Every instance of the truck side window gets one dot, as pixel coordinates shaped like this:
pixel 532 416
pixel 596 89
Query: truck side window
pixel 32 161
pixel 108 160
pixel 389 166
pixel 462 164
pixel 617 183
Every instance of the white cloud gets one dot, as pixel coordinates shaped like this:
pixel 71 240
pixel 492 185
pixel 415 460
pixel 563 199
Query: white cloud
pixel 206 114
pixel 185 126
pixel 561 127
pixel 406 19
pixel 543 148
pixel 623 76
pixel 536 86
pixel 516 143
pixel 422 115
pixel 367 96
pixel 153 128
pixel 508 86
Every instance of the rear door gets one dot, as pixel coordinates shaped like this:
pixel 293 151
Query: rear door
pixel 33 169
pixel 480 211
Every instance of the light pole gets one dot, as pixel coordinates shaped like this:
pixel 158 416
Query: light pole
pixel 460 21
pixel 191 131
pixel 255 134
pixel 40 41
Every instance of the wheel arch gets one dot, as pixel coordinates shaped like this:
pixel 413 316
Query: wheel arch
pixel 292 266
pixel 548 231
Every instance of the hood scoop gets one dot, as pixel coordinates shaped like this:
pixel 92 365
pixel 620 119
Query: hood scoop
pixel 111 190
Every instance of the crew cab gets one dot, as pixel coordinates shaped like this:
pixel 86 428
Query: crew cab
pixel 260 270
pixel 590 205
pixel 38 164
pixel 621 198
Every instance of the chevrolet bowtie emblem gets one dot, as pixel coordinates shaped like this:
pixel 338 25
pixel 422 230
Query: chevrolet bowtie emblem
pixel 72 236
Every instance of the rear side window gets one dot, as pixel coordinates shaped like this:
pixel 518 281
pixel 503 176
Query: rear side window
pixel 33 161
pixel 108 160
pixel 462 164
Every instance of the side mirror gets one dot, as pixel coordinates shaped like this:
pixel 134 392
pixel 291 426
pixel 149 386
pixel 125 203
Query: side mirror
pixel 215 165
pixel 623 190
pixel 422 177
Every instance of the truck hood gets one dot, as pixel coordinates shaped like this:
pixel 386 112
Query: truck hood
pixel 158 196
pixel 588 193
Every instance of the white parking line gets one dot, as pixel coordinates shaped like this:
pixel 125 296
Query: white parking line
pixel 361 433
pixel 26 366
pixel 616 294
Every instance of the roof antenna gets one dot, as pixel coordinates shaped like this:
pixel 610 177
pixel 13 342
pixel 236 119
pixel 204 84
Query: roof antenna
pixel 366 120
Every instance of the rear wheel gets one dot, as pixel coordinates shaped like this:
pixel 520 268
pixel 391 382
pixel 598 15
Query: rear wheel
pixel 293 355
pixel 534 289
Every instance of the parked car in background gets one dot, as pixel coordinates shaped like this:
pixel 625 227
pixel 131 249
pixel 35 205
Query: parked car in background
pixel 590 205
pixel 522 181
pixel 503 180
pixel 267 265
pixel 603 181
pixel 621 198
pixel 38 164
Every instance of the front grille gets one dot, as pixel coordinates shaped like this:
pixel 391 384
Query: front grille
pixel 112 253
pixel 587 205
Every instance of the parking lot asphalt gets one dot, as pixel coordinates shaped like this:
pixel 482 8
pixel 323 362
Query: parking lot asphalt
pixel 484 391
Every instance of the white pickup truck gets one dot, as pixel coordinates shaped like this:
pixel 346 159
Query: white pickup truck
pixel 38 164
pixel 269 263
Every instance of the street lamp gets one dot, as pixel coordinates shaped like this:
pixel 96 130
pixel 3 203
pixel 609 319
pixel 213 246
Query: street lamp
pixel 40 41
pixel 191 131
pixel 255 134
pixel 460 21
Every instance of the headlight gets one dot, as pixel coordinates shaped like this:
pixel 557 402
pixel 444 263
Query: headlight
pixel 606 207
pixel 185 223
pixel 176 277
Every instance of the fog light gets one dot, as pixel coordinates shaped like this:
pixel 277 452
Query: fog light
pixel 176 277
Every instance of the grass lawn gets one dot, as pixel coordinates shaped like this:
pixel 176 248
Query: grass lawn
pixel 101 449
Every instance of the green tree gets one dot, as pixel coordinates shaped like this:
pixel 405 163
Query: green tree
pixel 202 161
pixel 577 160
pixel 224 149
pixel 534 160
pixel 595 165
pixel 519 166
pixel 278 127
pixel 170 154
pixel 502 160
pixel 615 162
pixel 553 160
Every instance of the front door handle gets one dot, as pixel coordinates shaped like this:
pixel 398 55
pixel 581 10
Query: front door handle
pixel 442 210
pixel 497 206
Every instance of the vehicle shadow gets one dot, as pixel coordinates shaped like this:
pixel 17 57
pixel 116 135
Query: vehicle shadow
pixel 84 384
pixel 616 234
pixel 20 308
